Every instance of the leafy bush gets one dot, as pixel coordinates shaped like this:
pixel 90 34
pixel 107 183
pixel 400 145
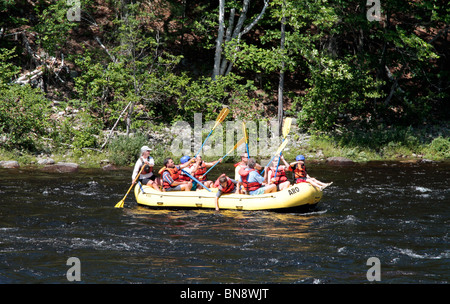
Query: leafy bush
pixel 23 117
pixel 124 150
pixel 440 147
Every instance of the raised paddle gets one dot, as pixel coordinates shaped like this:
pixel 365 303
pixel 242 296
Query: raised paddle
pixel 285 131
pixel 220 118
pixel 240 142
pixel 120 204
pixel 196 180
pixel 280 148
pixel 244 129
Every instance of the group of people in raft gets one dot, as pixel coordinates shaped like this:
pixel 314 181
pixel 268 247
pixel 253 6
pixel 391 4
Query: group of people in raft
pixel 247 179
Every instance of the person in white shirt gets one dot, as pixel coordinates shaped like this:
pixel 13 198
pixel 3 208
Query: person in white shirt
pixel 147 176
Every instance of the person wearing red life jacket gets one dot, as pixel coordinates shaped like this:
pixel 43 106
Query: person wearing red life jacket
pixel 170 174
pixel 192 166
pixel 301 176
pixel 199 173
pixel 252 181
pixel 243 164
pixel 278 177
pixel 225 185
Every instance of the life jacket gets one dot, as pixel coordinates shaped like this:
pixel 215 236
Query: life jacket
pixel 248 186
pixel 183 177
pixel 228 189
pixel 201 170
pixel 281 175
pixel 299 173
pixel 174 174
pixel 147 169
pixel 239 163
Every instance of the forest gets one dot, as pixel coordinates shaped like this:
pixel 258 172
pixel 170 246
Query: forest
pixel 371 74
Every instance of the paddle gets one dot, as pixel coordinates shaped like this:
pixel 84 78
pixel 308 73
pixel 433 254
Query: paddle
pixel 120 204
pixel 196 180
pixel 280 148
pixel 285 131
pixel 244 129
pixel 240 142
pixel 219 119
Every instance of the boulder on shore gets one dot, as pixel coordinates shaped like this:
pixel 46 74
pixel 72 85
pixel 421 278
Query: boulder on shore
pixel 9 164
pixel 339 161
pixel 61 167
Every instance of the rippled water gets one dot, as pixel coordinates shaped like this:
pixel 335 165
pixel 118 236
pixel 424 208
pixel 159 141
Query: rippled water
pixel 396 212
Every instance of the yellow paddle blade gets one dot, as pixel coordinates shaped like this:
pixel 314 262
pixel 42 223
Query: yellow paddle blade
pixel 282 146
pixel 240 142
pixel 287 126
pixel 244 130
pixel 221 116
pixel 119 204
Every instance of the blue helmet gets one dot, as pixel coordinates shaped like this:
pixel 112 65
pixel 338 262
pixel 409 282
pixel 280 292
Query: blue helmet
pixel 185 159
pixel 300 157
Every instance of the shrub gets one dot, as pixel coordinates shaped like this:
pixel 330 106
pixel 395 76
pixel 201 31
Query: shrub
pixel 124 150
pixel 23 117
pixel 440 147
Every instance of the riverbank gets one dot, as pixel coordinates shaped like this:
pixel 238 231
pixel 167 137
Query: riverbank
pixel 427 144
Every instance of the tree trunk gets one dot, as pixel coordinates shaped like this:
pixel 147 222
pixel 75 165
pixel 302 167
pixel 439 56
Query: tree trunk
pixel 221 65
pixel 219 41
pixel 281 82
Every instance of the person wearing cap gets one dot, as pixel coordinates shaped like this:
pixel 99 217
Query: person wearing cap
pixel 301 176
pixel 147 176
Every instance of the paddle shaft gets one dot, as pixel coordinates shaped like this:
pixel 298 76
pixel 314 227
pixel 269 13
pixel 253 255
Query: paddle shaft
pixel 286 129
pixel 283 144
pixel 220 118
pixel 196 180
pixel 120 204
pixel 223 157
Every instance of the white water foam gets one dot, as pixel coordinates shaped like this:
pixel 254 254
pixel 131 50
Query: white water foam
pixel 412 254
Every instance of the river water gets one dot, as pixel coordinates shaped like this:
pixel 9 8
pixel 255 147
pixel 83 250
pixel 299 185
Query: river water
pixel 394 212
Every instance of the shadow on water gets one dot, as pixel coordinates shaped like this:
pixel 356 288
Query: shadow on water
pixel 396 212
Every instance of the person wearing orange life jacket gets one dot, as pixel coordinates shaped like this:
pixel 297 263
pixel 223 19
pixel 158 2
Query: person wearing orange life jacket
pixel 253 181
pixel 225 185
pixel 301 176
pixel 281 181
pixel 199 173
pixel 170 174
pixel 147 177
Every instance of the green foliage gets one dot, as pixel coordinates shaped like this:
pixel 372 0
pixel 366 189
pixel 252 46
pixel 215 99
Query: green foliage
pixel 23 117
pixel 80 131
pixel 7 69
pixel 53 26
pixel 341 71
pixel 440 148
pixel 207 97
pixel 338 90
pixel 124 150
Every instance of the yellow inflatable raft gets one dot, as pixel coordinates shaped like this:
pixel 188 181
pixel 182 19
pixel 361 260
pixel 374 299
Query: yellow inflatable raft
pixel 297 196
